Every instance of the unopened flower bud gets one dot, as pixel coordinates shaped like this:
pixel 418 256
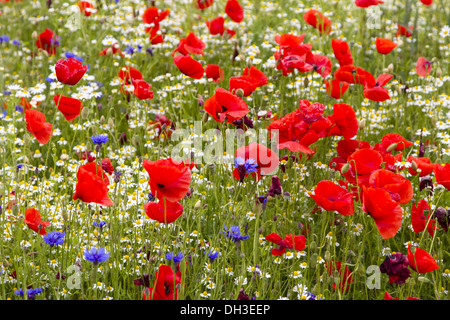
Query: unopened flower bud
pixel 327 256
pixel 362 124
pixel 240 93
pixel 414 165
pixel 198 205
pixel 85 113
pixel 34 35
pixel 392 147
pixel 345 168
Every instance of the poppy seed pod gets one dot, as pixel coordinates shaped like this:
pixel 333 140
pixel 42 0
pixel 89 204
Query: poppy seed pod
pixel 239 92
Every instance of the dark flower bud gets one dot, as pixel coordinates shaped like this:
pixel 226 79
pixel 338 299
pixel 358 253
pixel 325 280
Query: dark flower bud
pixel 426 182
pixel 443 217
pixel 275 188
pixel 243 295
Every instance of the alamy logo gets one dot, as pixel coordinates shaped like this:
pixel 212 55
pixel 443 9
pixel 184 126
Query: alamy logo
pixel 374 17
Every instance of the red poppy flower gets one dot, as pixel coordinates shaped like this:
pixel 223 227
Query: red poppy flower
pixel 427 2
pixel 418 219
pixel 403 31
pixel 48 41
pixel 169 180
pixel 129 74
pixel 86 7
pixel 33 221
pixel 190 45
pixel 203 4
pixel 321 64
pixel 142 89
pixel 317 20
pixel 69 71
pixel 345 275
pixel 423 67
pixel 296 134
pixel 336 88
pixel 377 92
pixel 345 121
pixel 365 161
pixel 442 174
pixel 162 125
pixel 189 66
pixel 342 52
pixel 387 296
pixel 112 50
pixel 423 163
pixel 399 187
pixel 392 138
pixel 216 26
pixel 289 242
pixel 37 126
pixel 165 285
pixel 345 148
pixel 153 15
pixel 224 105
pixel 386 213
pixel 163 211
pixel 367 3
pixel 250 80
pixel 107 165
pixel 69 107
pixel 385 46
pixel 421 261
pixel 234 10
pixel 92 185
pixel 213 71
pixel 332 197
pixel 267 160
pixel 352 74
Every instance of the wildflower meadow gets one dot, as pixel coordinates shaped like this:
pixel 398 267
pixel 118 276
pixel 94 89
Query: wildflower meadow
pixel 224 150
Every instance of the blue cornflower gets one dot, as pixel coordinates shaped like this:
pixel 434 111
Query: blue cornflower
pixel 212 255
pixel 49 80
pixel 250 165
pixel 99 225
pixel 151 197
pixel 139 48
pixel 129 50
pixel 69 55
pixel 19 108
pixel 96 255
pixel 6 92
pixel 54 238
pixel 16 42
pixel 4 38
pixel 171 257
pixel 31 293
pixel 3 114
pixel 234 233
pixel 99 139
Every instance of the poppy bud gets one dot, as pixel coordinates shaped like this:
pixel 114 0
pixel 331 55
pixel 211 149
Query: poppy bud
pixel 25 160
pixel 34 35
pixel 313 261
pixel 362 124
pixel 414 165
pixel 85 113
pixel 198 205
pixel 109 52
pixel 64 215
pixel 110 122
pixel 327 256
pixel 392 147
pixel 212 168
pixel 345 168
pixel 102 119
pixel 438 72
pixel 45 53
pixel 390 68
pixel 424 280
pixel 205 117
pixel 240 93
